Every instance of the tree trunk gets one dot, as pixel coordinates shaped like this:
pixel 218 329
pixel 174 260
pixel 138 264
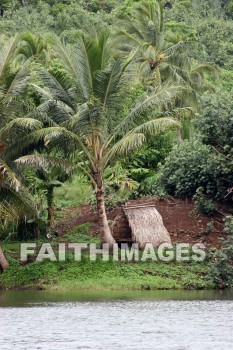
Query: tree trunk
pixel 179 134
pixel 4 265
pixel 50 196
pixel 106 236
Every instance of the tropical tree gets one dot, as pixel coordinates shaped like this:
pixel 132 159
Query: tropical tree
pixel 156 49
pixel 193 76
pixel 16 55
pixel 13 82
pixel 52 171
pixel 83 102
pixel 162 56
pixel 4 264
pixel 159 53
pixel 16 204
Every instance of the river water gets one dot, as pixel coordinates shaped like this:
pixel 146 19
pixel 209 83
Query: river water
pixel 164 320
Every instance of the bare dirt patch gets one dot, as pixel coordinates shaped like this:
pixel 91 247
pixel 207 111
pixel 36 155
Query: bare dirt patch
pixel 178 217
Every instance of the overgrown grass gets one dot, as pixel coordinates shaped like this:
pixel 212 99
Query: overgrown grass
pixel 100 275
pixel 73 193
pixel 80 234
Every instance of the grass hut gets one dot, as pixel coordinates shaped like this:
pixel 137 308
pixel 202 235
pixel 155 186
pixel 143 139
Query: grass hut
pixel 140 224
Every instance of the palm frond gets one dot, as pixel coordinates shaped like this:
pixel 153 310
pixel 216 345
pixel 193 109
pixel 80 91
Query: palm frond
pixel 66 56
pixel 55 89
pixel 42 161
pixel 130 142
pixel 7 214
pixel 155 126
pixel 9 176
pixel 27 124
pixel 164 95
pixel 7 53
pixel 17 204
pixel 202 68
pixel 19 83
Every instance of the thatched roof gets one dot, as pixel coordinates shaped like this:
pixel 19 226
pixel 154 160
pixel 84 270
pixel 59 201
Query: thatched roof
pixel 144 225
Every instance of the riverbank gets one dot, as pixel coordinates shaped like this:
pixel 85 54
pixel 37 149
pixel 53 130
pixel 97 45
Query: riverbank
pixel 101 275
pixel 78 225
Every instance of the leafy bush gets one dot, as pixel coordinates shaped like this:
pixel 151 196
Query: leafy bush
pixel 228 224
pixel 221 265
pixel 144 162
pixel 203 205
pixel 193 165
pixel 186 168
pixel 215 123
pixel 149 185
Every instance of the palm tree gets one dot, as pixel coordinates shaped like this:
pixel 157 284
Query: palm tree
pixel 193 77
pixel 16 55
pixel 161 57
pixel 83 104
pixel 4 264
pixel 53 172
pixel 15 202
pixel 156 49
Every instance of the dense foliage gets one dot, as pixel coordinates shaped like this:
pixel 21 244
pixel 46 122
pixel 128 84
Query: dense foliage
pixel 206 162
pixel 221 261
pixel 132 96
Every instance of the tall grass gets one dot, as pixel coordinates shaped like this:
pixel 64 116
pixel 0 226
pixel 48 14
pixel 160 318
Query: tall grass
pixel 76 192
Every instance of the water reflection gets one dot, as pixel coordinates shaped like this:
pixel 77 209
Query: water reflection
pixel 28 298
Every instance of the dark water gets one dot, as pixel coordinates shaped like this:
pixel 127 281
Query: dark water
pixel 177 320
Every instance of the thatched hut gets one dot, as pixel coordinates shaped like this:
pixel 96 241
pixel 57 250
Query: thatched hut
pixel 140 224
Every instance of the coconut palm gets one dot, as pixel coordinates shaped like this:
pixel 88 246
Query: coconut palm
pixel 52 171
pixel 83 104
pixel 16 54
pixel 14 79
pixel 156 49
pixel 4 264
pixel 161 57
pixel 15 202
pixel 193 77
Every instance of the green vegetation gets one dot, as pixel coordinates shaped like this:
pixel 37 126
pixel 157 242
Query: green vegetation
pixel 221 267
pixel 106 101
pixel 72 275
pixel 73 193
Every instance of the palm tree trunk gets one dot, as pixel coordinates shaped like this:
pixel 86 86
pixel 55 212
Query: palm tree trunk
pixel 106 236
pixel 4 265
pixel 179 134
pixel 50 196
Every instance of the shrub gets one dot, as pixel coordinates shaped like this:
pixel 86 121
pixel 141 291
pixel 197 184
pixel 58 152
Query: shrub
pixel 203 205
pixel 193 165
pixel 221 262
pixel 215 122
pixel 186 168
pixel 228 227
